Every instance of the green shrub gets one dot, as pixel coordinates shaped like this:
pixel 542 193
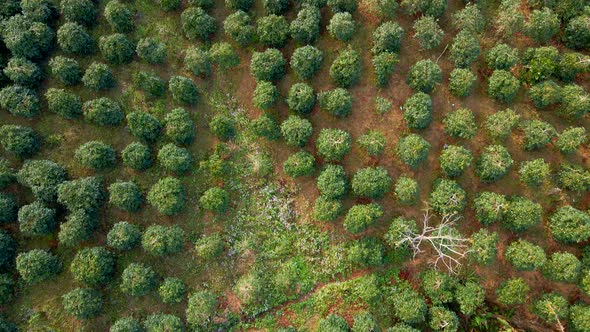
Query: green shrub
pixel 500 124
pixel 78 227
pixel 81 194
pixel 551 307
pixel 296 131
pixel 150 83
pixel 327 209
pixel 454 160
pixel 575 102
pixel 197 24
pixel 210 246
pixel 175 159
pixel 167 196
pixel 493 163
pixel 503 86
pixel 306 61
pixel 137 156
pixel 364 321
pixel 215 199
pixel 163 322
pixel 201 308
pixel 144 126
pixel 522 214
pixel 299 164
pixel 9 208
pixel 301 98
pixel 443 319
pixel 372 182
pixel 418 111
pixel 305 28
pixel 332 182
pixel 7 174
pixel 239 4
pixel 151 50
pixel 534 172
pixel 342 26
pixel 569 225
pixel 224 55
pixel 562 267
pixel 98 76
pixel 238 26
pixel 387 37
pixel 7 251
pixel 266 126
pixel 384 9
pixel 66 104
pixel 502 57
pixel 223 127
pixel 424 75
pixel 512 291
pixel 428 32
pixel 577 33
pixel 570 139
pixel 20 101
pixel 179 126
pixel 23 72
pixel 36 219
pixel 42 177
pixel 362 216
pixel 580 317
pixel 345 71
pixel 126 324
pixel 39 10
pixel 406 190
pixel 545 94
pixel 384 66
pixel 373 142
pixel 161 240
pixel 198 62
pixel 412 150
pixel 6 289
pixel 276 7
pixel 123 236
pixel 408 305
pixel 125 196
pixel 542 25
pixel 333 144
pixel 465 49
pixel 460 123
pixel 268 65
pixel 80 11
pixel 570 66
pixel 398 230
pixel 137 280
pixel 37 265
pixel 172 290
pixel 337 102
pixel 66 70
pixel 490 207
pixel 20 141
pixel 93 266
pixel 95 155
pixel 73 38
pixel 183 90
pixel 525 256
pixel 470 296
pixel 333 323
pixel 425 7
pixel 273 30
pixel 574 178
pixel 540 63
pixel 119 16
pixel 26 38
pixel 82 303
pixel 537 134
pixel 447 197
pixel 461 82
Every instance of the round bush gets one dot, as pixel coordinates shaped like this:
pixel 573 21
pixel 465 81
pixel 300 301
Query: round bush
pixel 144 126
pixel 454 160
pixel 493 163
pixel 412 150
pixel 42 177
pixel 23 72
pixel 126 324
pixel 268 65
pixel 333 323
pixel 66 104
pixel 95 155
pixel 183 90
pixel 512 291
pixel 36 219
pixel 327 209
pixel 296 131
pixel 544 94
pixel 39 10
pixel 119 16
pixel 9 208
pixel 20 101
pixel 78 227
pixel 342 26
pixel 98 76
pixel 116 49
pixel 224 55
pixel 525 256
pixel 428 32
pixel 503 86
pixel 362 216
pixel 167 196
pixel 172 290
pixel 179 126
pixel 301 98
pixel 151 50
pixel 137 156
pixel 197 24
pixel 537 134
pixel 332 182
pixel 93 266
pixel 373 142
pixel 372 182
pixel 20 141
pixel 209 247
pixel 82 303
pixel 162 241
pixel 502 57
pixel 387 37
pixel 169 5
pixel 542 25
pixel 125 196
pixel 80 11
pixel 305 28
pixel 464 49
pixel 215 199
pixel 276 7
pixel 522 214
pixel 73 38
pixel 81 194
pixel 562 267
pixel 337 102
pixel 424 75
pixel 37 265
pixel 299 164
pixel 150 83
pixel 447 197
pixel 124 236
pixel 461 82
pixel 137 280
pixel 238 26
pixel 551 307
pixel 534 172
pixel 418 111
pixel 66 70
pixel 569 225
pixel 346 68
pixel 384 66
pixel 201 308
pixel 273 31
pixel 198 62
pixel 406 190
pixel 460 123
pixel 26 38
pixel 333 144
pixel 306 61
pixel 490 207
pixel 7 251
pixel 570 139
pixel 223 126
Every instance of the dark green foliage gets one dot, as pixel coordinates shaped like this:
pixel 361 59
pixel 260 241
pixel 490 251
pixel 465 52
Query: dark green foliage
pixel 299 164
pixel 493 163
pixel 570 139
pixel 465 49
pixel 81 194
pixel 126 324
pixel 201 308
pixel 198 62
pixel 39 10
pixel 172 290
pixel 276 7
pixel 500 124
pixel 424 75
pixel 116 48
pixel 574 177
pixel 490 207
pixel 342 26
pixel 406 190
pixel 545 94
pixel 384 9
pixel 569 225
pixel 364 321
pixel 137 156
pixel 78 227
pixel 534 172
pixel 333 323
pixel 20 101
pixel 460 123
pixel 197 24
pixel 412 149
pixel 80 11
pixel 161 240
pixel 209 247
pixel 537 134
pixel 93 266
pixel 82 303
pixel 167 196
pixel 268 65
pixel 183 90
pixel 37 265
pixel 306 61
pixel 144 126
pixel 95 155
pixel 443 319
pixel 266 126
pixel 562 267
pixel 137 280
pixel 337 102
pixel 124 236
pixel 23 72
pixel 580 317
pixel 454 160
pixel 551 307
pixel 265 95
pixel 333 144
pixel 273 30
pixel 339 6
pixel 384 66
pixel 540 63
pixel 66 70
pixel 223 126
pixel 119 16
pixel 425 7
pixel 512 291
pixel 42 177
pixel 8 208
pixel 125 196
pixel 6 289
pixel 577 33
pixel 179 126
pixel 73 38
pixel 327 209
pixel 332 182
pixel 418 111
pixel 346 68
pixel 7 251
pixel 239 4
pixel 373 142
pixel 66 104
pixel 215 199
pixel 401 327
pixel 398 230
pixel 7 174
pixel 575 102
pixel 502 57
pixel 570 65
pixel 525 256
pixel 36 219
pixel 447 197
pixel 461 82
pixel 163 322
pixel 150 83
pixel 151 50
pixel 408 305
pixel 301 98
pixel 305 28
pixel 20 141
pixel 170 5
pixel 438 286
pixel 542 25
pixel 372 182
pixel 522 214
pixel 503 86
pixel 296 131
pixel 25 38
pixel 361 216
pixel 98 76
pixel 470 296
pixel 428 32
pixel 238 26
